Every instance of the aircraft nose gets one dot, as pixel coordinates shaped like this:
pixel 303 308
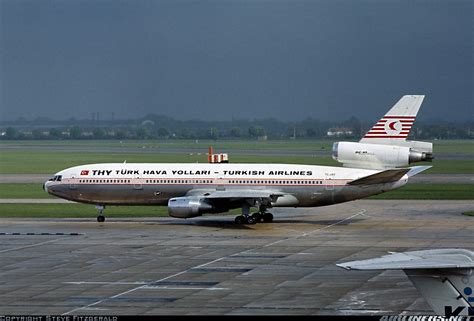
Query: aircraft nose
pixel 45 186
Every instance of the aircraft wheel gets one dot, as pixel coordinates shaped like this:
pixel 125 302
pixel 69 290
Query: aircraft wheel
pixel 268 217
pixel 258 217
pixel 100 218
pixel 251 220
pixel 239 219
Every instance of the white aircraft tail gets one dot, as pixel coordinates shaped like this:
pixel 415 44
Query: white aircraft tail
pixel 385 145
pixel 397 123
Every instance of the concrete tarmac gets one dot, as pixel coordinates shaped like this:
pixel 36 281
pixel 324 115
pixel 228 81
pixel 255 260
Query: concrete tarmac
pixel 209 265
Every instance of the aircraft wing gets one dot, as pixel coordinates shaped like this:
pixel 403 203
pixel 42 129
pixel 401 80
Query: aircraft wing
pixel 428 259
pixel 236 194
pixel 443 276
pixel 389 175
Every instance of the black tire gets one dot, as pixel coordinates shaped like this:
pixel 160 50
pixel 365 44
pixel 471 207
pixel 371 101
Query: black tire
pixel 258 217
pixel 101 218
pixel 239 219
pixel 268 217
pixel 251 220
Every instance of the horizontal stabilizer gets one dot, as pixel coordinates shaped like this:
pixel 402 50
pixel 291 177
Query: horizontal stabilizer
pixel 417 169
pixel 387 176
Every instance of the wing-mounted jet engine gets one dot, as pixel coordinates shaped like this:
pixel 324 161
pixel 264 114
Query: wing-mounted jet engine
pixel 385 144
pixel 187 207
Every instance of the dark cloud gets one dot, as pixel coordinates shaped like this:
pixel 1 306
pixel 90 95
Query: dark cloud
pixel 243 59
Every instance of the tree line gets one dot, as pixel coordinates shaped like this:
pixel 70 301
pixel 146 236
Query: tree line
pixel 162 127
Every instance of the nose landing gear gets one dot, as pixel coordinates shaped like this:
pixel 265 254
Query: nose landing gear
pixel 101 217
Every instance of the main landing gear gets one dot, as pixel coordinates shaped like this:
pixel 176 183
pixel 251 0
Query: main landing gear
pixel 101 217
pixel 258 217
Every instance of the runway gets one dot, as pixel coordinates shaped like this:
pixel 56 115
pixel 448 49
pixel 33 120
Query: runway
pixel 209 265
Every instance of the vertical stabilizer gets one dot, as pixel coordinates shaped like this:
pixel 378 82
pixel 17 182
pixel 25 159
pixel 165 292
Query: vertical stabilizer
pixel 444 289
pixel 395 126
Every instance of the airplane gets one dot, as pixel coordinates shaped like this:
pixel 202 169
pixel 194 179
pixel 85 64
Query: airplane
pixel 443 276
pixel 370 167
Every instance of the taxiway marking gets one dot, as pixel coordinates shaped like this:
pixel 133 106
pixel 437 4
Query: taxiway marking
pixel 28 246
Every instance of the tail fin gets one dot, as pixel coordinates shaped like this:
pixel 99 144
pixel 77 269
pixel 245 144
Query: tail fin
pixel 396 124
pixel 443 276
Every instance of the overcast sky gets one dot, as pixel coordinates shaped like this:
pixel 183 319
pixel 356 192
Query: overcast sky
pixel 248 59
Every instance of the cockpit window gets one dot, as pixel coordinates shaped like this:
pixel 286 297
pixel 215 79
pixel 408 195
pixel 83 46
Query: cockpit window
pixel 55 178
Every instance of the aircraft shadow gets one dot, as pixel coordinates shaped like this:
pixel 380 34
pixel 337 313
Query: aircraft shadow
pixel 230 224
pixel 321 222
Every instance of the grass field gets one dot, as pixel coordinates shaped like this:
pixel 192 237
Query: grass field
pixel 431 192
pixel 19 157
pixel 203 144
pixel 28 190
pixel 439 146
pixel 471 213
pixel 39 162
pixel 36 162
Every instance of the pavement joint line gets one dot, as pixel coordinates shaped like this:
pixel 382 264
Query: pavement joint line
pixel 355 228
pixel 208 263
pixel 39 234
pixel 104 283
pixel 28 246
pixel 362 212
pixel 146 284
pixel 152 287
pixel 140 287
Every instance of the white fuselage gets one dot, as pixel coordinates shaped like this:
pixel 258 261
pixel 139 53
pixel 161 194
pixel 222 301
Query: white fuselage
pixel 156 183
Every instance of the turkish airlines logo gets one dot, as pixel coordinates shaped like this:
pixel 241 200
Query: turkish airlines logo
pixel 391 127
pixel 84 172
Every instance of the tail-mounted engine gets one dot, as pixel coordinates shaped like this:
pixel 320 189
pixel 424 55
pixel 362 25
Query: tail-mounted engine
pixel 378 156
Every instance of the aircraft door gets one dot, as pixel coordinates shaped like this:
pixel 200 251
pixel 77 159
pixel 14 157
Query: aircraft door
pixel 329 185
pixel 72 184
pixel 137 185
pixel 221 182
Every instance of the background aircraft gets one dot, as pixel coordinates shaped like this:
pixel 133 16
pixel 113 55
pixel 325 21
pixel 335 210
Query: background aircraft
pixel 443 276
